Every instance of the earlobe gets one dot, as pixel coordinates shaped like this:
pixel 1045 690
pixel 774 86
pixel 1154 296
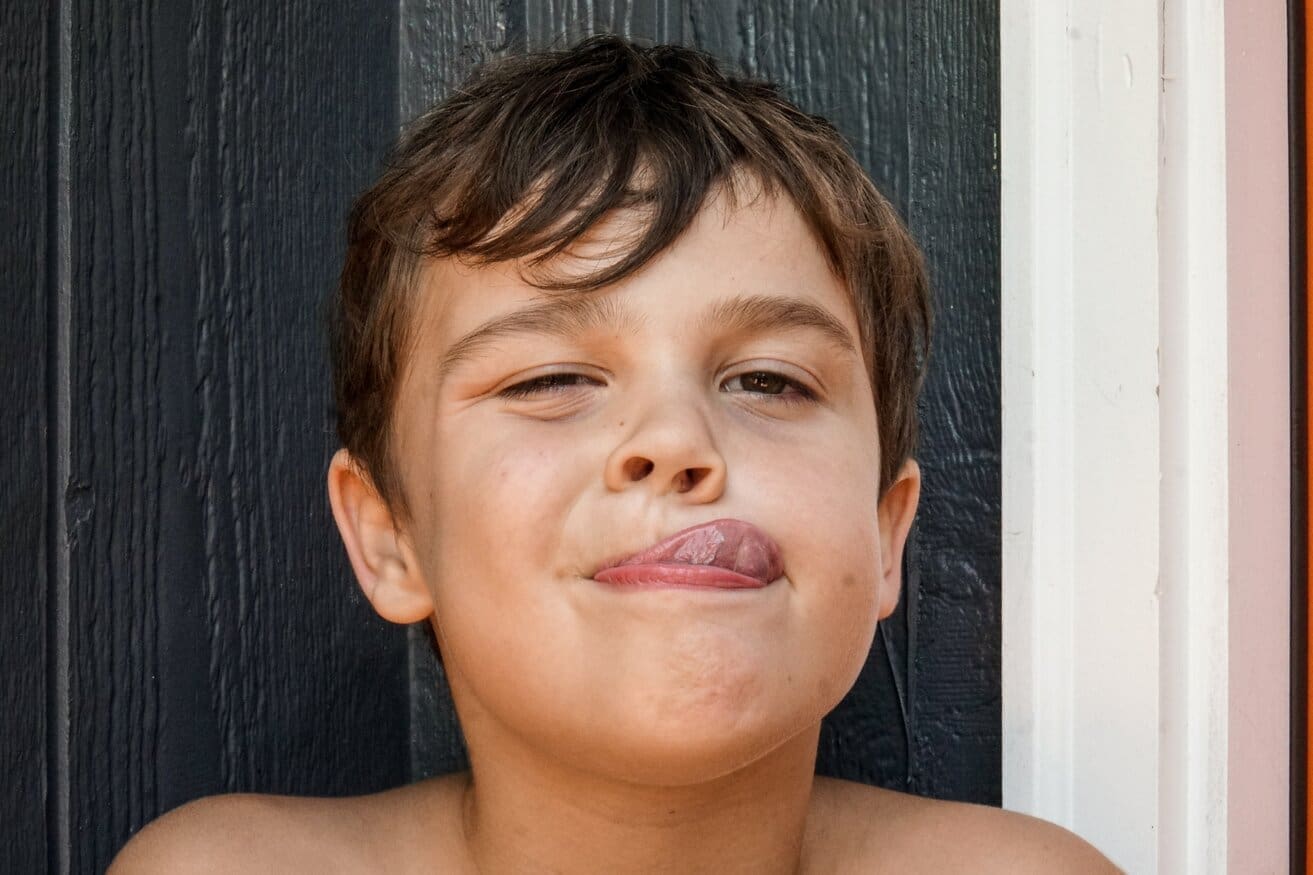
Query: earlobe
pixel 384 564
pixel 896 512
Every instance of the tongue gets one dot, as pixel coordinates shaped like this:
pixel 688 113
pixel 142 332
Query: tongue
pixel 731 544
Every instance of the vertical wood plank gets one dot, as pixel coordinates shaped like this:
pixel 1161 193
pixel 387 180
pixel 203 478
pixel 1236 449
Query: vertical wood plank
pixel 953 210
pixel 217 639
pixel 25 372
pixel 301 99
pixel 111 497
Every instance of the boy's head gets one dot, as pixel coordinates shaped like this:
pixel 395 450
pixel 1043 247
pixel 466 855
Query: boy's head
pixel 600 297
pixel 525 158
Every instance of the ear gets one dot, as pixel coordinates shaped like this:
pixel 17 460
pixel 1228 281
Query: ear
pixel 897 508
pixel 381 556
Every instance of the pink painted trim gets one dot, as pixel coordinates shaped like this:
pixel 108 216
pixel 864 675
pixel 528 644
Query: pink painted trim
pixel 1259 401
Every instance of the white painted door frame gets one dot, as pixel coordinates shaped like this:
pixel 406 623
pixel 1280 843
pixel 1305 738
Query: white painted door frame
pixel 1146 427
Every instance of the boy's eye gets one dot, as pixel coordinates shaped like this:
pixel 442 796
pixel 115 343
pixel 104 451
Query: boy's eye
pixel 547 384
pixel 774 385
pixel 767 383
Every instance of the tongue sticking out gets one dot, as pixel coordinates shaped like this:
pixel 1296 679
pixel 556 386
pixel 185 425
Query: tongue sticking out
pixel 731 544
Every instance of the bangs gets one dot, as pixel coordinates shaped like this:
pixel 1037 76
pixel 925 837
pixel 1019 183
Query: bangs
pixel 529 174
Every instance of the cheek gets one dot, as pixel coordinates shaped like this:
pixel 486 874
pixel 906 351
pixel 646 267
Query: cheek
pixel 830 508
pixel 499 506
pixel 497 490
pixel 837 559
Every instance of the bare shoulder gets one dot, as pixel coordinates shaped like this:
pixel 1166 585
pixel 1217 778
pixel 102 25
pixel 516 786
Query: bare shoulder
pixel 873 829
pixel 219 834
pixel 254 833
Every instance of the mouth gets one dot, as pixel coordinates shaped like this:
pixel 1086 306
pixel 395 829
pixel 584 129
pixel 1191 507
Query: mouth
pixel 721 554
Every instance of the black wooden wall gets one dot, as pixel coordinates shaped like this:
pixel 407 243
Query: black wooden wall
pixel 179 617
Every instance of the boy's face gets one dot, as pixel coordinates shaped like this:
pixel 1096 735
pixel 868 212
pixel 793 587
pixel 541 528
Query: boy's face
pixel 656 409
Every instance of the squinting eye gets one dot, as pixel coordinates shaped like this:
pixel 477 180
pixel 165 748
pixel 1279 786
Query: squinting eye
pixel 773 385
pixel 545 385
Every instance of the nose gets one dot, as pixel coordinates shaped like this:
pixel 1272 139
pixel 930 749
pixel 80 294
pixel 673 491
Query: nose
pixel 670 449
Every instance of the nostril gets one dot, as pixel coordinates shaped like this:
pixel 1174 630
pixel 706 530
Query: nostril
pixel 691 477
pixel 637 469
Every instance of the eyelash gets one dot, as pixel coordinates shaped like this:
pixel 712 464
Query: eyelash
pixel 549 384
pixel 539 385
pixel 800 395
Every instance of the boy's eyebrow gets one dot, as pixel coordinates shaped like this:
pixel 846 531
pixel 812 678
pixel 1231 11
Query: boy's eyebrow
pixel 564 316
pixel 752 314
pixel 571 315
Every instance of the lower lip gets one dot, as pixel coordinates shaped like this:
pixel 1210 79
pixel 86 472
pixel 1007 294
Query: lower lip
pixel 669 575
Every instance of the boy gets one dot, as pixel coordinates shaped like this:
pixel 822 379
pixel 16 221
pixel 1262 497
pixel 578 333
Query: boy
pixel 626 356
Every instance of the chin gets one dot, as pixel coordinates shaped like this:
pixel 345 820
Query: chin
pixel 685 737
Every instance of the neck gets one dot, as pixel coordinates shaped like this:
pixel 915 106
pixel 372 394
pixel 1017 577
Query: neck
pixel 523 811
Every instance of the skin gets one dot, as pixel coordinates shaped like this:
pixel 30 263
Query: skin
pixel 667 730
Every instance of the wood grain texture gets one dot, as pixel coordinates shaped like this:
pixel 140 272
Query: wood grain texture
pixel 112 496
pixel 300 101
pixel 953 210
pixel 25 372
pixel 217 641
pixel 913 85
pixel 559 24
pixel 442 40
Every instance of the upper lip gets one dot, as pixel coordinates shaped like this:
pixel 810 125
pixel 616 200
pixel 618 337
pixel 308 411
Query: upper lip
pixel 732 544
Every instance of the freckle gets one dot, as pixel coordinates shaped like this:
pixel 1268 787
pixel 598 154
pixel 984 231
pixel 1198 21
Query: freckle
pixel 849 580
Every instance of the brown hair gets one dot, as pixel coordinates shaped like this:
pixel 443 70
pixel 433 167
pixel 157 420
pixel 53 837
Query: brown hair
pixel 532 151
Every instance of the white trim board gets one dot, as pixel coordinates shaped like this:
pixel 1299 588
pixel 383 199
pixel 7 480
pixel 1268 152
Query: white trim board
pixel 1145 427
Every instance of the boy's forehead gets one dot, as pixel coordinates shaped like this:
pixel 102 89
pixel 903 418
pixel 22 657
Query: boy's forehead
pixel 758 247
